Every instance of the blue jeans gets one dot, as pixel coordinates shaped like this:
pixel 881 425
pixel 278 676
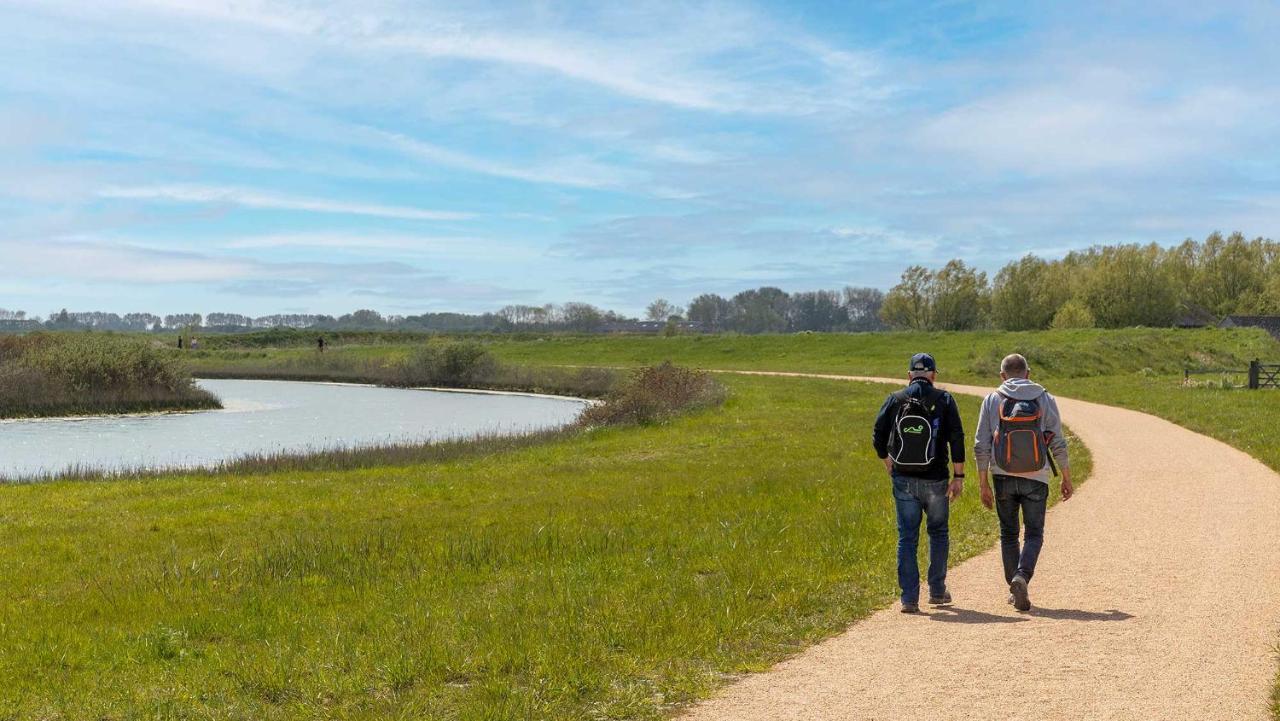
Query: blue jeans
pixel 1015 494
pixel 917 497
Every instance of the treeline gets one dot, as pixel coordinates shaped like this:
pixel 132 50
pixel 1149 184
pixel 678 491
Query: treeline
pixel 1105 286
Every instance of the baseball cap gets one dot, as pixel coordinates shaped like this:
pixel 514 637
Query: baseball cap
pixel 922 362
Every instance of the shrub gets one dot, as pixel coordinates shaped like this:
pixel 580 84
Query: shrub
pixel 655 394
pixel 451 364
pixel 1073 314
pixel 59 373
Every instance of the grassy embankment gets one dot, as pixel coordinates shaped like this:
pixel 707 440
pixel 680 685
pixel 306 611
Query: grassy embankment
pixel 609 574
pixel 51 374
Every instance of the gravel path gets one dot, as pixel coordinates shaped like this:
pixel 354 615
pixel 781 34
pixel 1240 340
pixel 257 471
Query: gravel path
pixel 1157 596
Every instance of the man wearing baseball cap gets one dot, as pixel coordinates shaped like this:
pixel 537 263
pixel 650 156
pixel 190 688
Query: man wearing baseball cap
pixel 920 438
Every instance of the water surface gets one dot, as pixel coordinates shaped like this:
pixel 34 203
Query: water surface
pixel 268 416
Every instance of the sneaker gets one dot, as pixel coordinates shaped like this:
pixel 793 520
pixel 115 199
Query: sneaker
pixel 1018 589
pixel 910 607
pixel 942 600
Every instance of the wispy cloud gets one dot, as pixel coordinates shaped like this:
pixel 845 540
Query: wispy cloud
pixel 573 172
pixel 249 198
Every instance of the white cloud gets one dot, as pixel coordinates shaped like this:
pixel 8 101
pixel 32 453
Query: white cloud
pixel 463 247
pixel 1097 120
pixel 573 172
pixel 248 198
pixel 121 263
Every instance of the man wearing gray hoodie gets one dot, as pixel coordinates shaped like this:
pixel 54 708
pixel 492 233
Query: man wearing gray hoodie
pixel 1019 426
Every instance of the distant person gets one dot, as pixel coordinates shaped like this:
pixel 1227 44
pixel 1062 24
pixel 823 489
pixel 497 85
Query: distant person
pixel 1016 425
pixel 195 343
pixel 179 342
pixel 320 343
pixel 913 433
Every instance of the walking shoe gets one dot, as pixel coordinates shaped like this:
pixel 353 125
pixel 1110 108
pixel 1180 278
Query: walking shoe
pixel 1019 591
pixel 910 607
pixel 942 600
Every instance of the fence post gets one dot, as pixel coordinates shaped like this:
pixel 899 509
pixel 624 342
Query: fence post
pixel 1253 374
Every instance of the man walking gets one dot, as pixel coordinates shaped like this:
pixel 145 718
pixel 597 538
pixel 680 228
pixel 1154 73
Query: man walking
pixel 918 434
pixel 1019 441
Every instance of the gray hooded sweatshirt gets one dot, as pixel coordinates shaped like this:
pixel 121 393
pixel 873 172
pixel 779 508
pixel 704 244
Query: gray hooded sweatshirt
pixel 989 422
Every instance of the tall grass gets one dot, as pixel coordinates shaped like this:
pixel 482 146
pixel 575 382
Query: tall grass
pixel 51 374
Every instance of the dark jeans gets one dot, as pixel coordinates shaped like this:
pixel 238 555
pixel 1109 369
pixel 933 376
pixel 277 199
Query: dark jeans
pixel 1014 494
pixel 917 497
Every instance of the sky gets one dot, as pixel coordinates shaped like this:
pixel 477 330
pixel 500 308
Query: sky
pixel 255 156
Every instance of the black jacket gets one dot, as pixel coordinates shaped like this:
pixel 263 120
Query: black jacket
pixel 950 431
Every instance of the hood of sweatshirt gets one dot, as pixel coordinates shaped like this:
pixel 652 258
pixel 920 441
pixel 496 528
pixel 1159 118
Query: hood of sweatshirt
pixel 1021 389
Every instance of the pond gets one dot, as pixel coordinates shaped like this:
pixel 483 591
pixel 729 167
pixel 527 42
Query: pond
pixel 269 417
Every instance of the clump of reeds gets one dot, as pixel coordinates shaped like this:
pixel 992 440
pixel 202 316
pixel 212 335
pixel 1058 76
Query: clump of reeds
pixel 655 394
pixel 50 374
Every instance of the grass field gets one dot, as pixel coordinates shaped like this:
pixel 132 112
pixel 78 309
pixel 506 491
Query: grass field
pixel 611 575
pixel 607 575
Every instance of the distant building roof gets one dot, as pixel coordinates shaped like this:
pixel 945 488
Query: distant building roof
pixel 1269 323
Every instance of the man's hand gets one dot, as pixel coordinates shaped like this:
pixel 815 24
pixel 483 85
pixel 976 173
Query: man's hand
pixel 955 489
pixel 988 498
pixel 1068 490
pixel 888 464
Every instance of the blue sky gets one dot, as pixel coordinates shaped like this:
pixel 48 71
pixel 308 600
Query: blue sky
pixel 257 156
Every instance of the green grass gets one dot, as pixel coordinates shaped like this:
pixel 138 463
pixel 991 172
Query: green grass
pixel 606 575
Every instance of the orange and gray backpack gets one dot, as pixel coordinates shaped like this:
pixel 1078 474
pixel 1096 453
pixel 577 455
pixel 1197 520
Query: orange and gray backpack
pixel 1019 438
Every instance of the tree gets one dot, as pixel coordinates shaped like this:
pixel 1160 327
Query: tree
pixel 908 304
pixel 959 297
pixel 582 317
pixel 713 312
pixel 1026 294
pixel 818 310
pixel 1226 270
pixel 1131 285
pixel 662 309
pixel 762 310
pixel 862 308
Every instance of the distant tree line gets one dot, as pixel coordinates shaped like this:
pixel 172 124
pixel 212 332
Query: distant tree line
pixel 1104 286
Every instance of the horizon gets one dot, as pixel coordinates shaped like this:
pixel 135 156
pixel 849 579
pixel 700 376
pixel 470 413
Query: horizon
pixel 282 157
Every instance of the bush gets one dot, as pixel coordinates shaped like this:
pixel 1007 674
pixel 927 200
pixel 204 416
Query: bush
pixel 451 364
pixel 62 374
pixel 1073 314
pixel 655 394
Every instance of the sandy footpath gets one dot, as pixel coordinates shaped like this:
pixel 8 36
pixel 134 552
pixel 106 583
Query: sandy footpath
pixel 1157 596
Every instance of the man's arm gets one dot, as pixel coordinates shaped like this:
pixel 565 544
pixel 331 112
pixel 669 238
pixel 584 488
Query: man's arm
pixel 982 456
pixel 880 432
pixel 955 439
pixel 1058 443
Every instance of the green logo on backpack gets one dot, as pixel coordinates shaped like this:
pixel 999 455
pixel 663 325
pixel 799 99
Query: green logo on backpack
pixel 913 429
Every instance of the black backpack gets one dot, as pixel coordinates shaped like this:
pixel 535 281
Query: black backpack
pixel 913 439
